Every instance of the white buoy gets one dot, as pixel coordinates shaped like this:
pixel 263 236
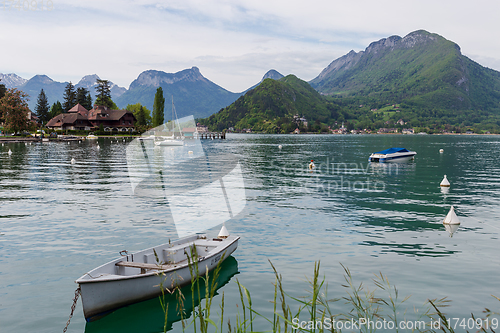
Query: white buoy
pixel 10 152
pixel 312 165
pixel 223 233
pixel 445 182
pixel 73 161
pixel 68 142
pixel 25 143
pixel 190 152
pixel 441 150
pixel 98 147
pixel 79 141
pixel 451 218
pixel 280 146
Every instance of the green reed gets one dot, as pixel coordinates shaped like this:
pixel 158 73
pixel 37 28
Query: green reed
pixel 315 308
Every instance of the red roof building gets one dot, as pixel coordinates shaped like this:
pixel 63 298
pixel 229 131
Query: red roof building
pixel 79 118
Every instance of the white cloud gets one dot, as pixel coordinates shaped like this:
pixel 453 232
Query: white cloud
pixel 233 42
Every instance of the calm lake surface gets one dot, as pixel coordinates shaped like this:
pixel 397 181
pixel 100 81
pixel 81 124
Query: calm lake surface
pixel 59 220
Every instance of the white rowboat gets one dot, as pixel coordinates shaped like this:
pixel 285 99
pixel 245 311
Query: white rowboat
pixel 140 276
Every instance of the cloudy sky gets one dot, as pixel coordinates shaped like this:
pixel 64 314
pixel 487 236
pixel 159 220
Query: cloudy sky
pixel 233 42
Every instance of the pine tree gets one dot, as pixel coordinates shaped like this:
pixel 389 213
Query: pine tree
pixel 81 97
pixel 69 97
pixel 158 108
pixel 88 102
pixel 103 97
pixel 56 109
pixel 42 107
pixel 141 117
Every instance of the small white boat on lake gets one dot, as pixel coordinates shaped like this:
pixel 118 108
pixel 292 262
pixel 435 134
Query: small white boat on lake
pixel 91 136
pixel 392 155
pixel 170 141
pixel 140 276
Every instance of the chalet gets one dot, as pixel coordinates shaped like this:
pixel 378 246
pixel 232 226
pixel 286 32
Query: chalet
pixel 201 128
pixel 408 131
pixel 79 118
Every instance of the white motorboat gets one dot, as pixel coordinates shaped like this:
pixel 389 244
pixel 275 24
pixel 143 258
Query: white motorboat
pixel 392 155
pixel 91 136
pixel 139 276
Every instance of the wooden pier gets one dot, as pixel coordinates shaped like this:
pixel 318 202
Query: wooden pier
pixel 212 135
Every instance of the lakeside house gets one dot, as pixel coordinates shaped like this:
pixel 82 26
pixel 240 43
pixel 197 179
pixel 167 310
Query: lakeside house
pixel 79 118
pixel 408 131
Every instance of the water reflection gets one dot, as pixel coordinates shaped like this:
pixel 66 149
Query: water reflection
pixel 451 228
pixel 148 316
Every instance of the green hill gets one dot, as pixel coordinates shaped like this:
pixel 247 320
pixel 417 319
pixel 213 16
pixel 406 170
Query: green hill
pixel 422 70
pixel 271 107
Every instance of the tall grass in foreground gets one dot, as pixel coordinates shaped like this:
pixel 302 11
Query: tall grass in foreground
pixel 314 314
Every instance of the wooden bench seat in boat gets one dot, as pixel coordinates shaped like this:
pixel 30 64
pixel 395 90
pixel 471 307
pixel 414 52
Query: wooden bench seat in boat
pixel 143 266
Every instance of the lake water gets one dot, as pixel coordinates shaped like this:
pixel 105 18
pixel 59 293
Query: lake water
pixel 59 220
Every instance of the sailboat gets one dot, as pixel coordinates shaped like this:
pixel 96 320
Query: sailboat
pixel 202 191
pixel 171 140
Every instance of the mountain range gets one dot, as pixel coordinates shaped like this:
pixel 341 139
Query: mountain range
pixel 420 80
pixel 423 73
pixel 53 89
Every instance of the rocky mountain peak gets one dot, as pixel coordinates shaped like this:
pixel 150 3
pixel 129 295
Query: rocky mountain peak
pixel 272 74
pixel 11 80
pixel 156 78
pixel 88 81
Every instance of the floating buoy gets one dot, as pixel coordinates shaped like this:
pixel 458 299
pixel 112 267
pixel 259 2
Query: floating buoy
pixel 223 233
pixel 25 143
pixel 451 218
pixel 73 161
pixel 312 165
pixel 98 147
pixel 445 182
pixel 190 152
pixel 68 142
pixel 10 152
pixel 79 141
pixel 441 150
pixel 280 146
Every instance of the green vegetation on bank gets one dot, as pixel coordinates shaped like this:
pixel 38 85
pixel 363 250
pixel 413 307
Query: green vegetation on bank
pixel 380 309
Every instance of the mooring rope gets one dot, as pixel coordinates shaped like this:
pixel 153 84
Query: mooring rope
pixel 77 293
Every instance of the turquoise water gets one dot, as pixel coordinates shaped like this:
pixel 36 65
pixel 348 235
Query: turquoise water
pixel 59 220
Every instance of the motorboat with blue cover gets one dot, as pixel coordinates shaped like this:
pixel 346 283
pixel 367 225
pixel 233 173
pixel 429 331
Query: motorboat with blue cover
pixel 392 155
